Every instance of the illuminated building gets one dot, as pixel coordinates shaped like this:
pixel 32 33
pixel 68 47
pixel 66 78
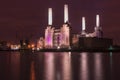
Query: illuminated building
pixel 97 30
pixel 49 37
pixel 91 40
pixel 65 30
pixel 65 36
pixel 55 38
pixel 61 37
pixel 49 31
pixel 40 43
pixel 15 47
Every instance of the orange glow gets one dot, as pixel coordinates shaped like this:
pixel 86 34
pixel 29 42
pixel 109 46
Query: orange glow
pixel 29 46
pixel 32 74
pixel 32 45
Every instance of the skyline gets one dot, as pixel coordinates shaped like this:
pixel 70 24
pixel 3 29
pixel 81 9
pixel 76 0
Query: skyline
pixel 29 19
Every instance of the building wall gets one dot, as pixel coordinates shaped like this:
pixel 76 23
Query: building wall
pixel 89 42
pixel 65 36
pixel 57 37
pixel 49 37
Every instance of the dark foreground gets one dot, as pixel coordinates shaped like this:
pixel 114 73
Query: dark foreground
pixel 27 65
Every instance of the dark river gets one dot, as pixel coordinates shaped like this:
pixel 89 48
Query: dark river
pixel 59 66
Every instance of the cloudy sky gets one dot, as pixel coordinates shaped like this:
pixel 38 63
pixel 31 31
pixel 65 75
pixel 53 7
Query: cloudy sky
pixel 20 19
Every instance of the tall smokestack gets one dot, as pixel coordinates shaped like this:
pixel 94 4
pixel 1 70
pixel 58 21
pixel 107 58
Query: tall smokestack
pixel 97 21
pixel 83 24
pixel 65 13
pixel 83 33
pixel 98 29
pixel 49 16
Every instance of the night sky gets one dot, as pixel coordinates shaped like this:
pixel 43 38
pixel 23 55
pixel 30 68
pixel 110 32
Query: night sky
pixel 21 19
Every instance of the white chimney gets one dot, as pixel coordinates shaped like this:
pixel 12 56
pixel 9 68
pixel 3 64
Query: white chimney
pixel 97 21
pixel 49 16
pixel 83 24
pixel 65 13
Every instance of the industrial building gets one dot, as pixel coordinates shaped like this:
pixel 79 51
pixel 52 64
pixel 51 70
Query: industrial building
pixel 61 37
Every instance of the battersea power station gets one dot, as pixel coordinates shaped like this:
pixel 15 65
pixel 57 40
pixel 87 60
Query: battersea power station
pixel 62 38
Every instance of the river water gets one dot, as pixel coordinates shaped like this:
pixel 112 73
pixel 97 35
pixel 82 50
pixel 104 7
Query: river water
pixel 59 66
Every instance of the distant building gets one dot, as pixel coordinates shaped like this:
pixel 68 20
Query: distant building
pixel 24 44
pixel 4 45
pixel 40 43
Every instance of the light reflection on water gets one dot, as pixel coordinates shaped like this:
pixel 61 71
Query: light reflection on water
pixel 84 66
pixel 58 66
pixel 65 61
pixel 49 66
pixel 98 66
pixel 15 66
